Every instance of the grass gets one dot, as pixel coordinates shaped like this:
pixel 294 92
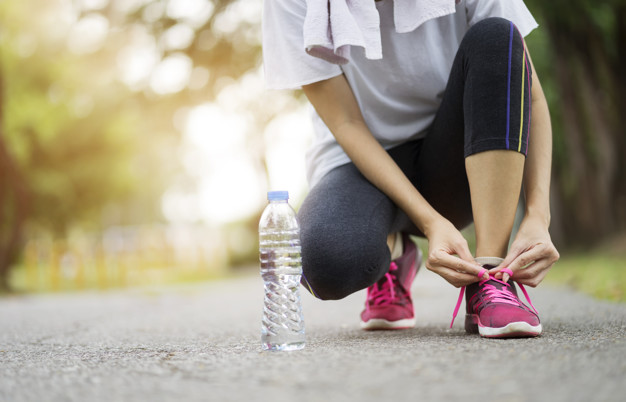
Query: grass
pixel 599 275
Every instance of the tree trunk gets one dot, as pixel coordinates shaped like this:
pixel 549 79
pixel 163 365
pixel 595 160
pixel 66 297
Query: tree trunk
pixel 590 183
pixel 13 204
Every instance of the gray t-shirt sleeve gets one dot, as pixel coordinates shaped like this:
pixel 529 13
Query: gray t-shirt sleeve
pixel 286 63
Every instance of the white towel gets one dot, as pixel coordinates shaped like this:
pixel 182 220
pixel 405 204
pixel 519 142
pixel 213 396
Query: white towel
pixel 332 26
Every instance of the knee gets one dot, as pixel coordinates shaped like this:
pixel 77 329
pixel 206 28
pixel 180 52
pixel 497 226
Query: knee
pixel 333 270
pixel 493 27
pixel 492 35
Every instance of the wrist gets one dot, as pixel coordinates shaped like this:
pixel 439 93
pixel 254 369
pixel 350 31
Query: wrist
pixel 539 214
pixel 430 223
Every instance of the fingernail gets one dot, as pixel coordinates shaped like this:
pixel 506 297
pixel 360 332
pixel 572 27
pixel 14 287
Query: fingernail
pixel 505 277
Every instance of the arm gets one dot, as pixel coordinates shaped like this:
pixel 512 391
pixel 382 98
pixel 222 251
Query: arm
pixel 335 103
pixel 532 243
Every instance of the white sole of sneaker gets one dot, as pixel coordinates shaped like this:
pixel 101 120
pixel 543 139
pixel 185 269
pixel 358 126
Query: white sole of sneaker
pixel 512 330
pixel 378 323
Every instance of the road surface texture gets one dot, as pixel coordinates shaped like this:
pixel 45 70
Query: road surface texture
pixel 201 343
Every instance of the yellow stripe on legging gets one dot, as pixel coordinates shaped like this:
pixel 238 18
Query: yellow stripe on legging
pixel 521 124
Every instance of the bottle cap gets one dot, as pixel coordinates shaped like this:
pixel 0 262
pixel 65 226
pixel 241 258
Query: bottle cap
pixel 277 195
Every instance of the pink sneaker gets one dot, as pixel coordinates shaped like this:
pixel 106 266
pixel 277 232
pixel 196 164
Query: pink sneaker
pixel 389 304
pixel 495 311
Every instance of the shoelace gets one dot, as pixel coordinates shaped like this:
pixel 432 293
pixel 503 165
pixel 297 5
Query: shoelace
pixel 378 295
pixel 503 295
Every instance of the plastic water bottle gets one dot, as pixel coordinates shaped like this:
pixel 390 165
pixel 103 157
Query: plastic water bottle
pixel 281 269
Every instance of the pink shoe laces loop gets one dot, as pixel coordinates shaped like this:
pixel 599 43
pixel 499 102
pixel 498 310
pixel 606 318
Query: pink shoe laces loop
pixel 460 300
pixel 508 271
pixel 503 295
pixel 377 295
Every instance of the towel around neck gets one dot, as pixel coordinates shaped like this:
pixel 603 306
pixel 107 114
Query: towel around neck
pixel 331 27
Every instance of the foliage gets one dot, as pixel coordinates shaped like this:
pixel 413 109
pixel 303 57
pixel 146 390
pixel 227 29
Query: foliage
pixel 596 274
pixel 580 59
pixel 78 142
pixel 86 144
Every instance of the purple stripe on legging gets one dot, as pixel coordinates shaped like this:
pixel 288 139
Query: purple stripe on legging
pixel 508 89
pixel 530 103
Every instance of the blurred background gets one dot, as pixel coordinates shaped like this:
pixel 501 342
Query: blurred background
pixel 137 140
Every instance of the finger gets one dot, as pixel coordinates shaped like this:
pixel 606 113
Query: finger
pixel 455 278
pixel 497 272
pixel 510 257
pixel 466 255
pixel 538 269
pixel 534 273
pixel 530 256
pixel 501 273
pixel 448 261
pixel 513 253
pixel 533 280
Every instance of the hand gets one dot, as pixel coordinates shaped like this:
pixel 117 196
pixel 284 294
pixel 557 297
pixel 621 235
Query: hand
pixel 531 255
pixel 444 241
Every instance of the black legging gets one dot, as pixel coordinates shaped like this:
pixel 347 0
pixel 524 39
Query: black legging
pixel 345 220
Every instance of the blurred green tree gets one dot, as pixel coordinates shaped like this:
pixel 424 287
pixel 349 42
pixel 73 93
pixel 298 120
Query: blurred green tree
pixel 76 146
pixel 580 56
pixel 88 132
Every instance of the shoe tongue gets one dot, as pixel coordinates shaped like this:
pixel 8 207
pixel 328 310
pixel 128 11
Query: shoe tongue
pixel 385 281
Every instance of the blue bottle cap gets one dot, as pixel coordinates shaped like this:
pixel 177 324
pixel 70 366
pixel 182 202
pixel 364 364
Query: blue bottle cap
pixel 277 195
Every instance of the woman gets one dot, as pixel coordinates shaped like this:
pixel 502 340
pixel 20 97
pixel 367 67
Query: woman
pixel 439 130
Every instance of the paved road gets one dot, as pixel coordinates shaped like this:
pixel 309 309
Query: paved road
pixel 201 342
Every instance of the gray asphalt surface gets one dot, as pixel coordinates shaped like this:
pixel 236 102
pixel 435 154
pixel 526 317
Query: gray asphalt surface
pixel 201 343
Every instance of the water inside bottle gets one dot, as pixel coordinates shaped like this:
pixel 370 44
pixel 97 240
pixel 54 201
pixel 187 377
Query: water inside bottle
pixel 282 326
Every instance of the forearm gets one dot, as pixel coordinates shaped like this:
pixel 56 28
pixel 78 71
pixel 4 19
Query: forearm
pixel 539 159
pixel 380 169
pixel 335 103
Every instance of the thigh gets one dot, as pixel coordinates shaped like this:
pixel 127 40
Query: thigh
pixel 344 223
pixel 440 166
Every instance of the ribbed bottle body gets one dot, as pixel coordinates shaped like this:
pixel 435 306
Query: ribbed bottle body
pixel 281 269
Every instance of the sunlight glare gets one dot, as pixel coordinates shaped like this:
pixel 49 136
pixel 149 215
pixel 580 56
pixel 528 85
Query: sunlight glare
pixel 128 6
pixel 249 11
pixel 172 74
pixel 230 186
pixel 153 12
pixel 287 138
pixel 93 4
pixel 180 207
pixel 233 192
pixel 88 34
pixel 194 12
pixel 214 130
pixel 179 36
pixel 137 60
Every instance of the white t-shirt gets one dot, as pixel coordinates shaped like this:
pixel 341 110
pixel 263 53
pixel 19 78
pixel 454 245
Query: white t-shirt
pixel 399 94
